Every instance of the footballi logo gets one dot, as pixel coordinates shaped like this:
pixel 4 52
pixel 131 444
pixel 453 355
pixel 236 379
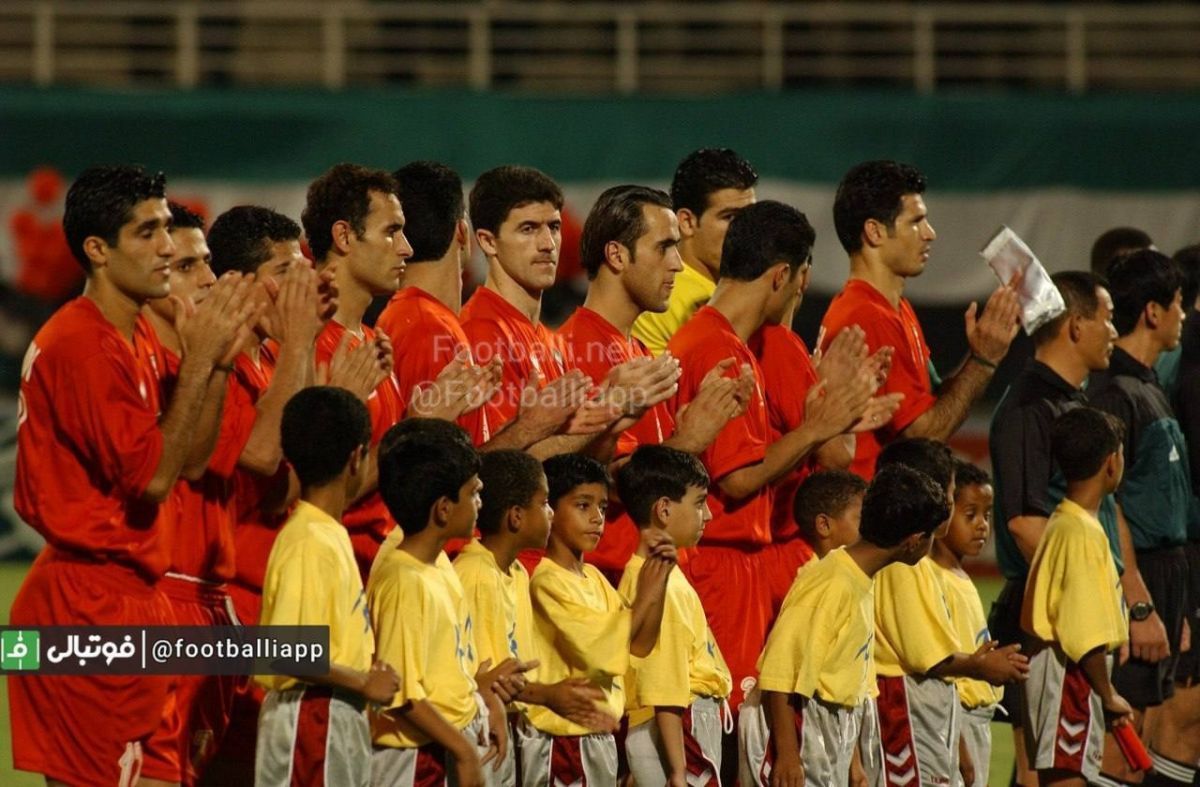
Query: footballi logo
pixel 19 650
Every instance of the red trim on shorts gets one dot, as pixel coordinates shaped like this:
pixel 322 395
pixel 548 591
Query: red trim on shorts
pixel 696 761
pixel 566 760
pixel 901 768
pixel 312 737
pixel 430 770
pixel 1074 720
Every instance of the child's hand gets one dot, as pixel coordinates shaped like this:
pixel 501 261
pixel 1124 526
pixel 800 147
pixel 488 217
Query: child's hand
pixel 660 545
pixel 469 769
pixel 381 683
pixel 575 700
pixel 505 681
pixel 654 574
pixel 677 780
pixel 1001 665
pixel 497 734
pixel 858 774
pixel 1117 710
pixel 787 772
pixel 966 766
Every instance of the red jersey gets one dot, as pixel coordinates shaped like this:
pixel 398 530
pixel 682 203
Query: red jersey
pixel 426 336
pixel 88 441
pixel 788 375
pixel 495 328
pixel 368 519
pixel 703 341
pixel 859 303
pixel 594 345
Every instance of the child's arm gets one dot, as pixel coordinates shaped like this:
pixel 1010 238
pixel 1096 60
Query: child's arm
pixel 1095 669
pixel 575 699
pixel 966 766
pixel 788 770
pixel 429 721
pixel 379 684
pixel 670 727
pixel 651 596
pixel 989 663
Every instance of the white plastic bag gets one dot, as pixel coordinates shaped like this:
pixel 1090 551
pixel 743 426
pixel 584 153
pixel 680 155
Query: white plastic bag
pixel 1009 256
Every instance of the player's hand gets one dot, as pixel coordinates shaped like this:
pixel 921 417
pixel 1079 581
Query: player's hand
pixel 296 320
pixel 830 411
pixel 640 383
pixel 990 335
pixel 677 780
pixel 459 384
pixel 469 768
pixel 577 700
pixel 999 665
pixel 747 387
pixel 1148 639
pixel 384 351
pixel 660 545
pixel 497 734
pixel 381 683
pixel 327 292
pixel 592 417
pixel 506 680
pixel 879 412
pixel 844 357
pixel 880 364
pixel 699 421
pixel 355 369
pixel 787 771
pixel 216 329
pixel 546 410
pixel 1117 710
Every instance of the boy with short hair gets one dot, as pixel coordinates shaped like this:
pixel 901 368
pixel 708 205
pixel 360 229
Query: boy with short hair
pixel 439 727
pixel 968 532
pixel 815 674
pixel 315 730
pixel 828 509
pixel 677 694
pixel 1074 609
pixel 584 628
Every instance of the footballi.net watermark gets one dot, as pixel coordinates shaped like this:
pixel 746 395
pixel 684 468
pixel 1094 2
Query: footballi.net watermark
pixel 166 650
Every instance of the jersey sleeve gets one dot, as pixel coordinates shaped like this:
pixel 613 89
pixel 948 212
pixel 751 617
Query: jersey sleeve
pixel 399 624
pixel 295 599
pixel 911 613
pixel 796 650
pixel 595 638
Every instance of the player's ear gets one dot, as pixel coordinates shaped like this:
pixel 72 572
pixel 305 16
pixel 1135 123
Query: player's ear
pixel 486 241
pixel 462 233
pixel 661 510
pixel 616 256
pixel 514 518
pixel 358 461
pixel 688 222
pixel 441 510
pixel 96 249
pixel 822 525
pixel 341 232
pixel 874 232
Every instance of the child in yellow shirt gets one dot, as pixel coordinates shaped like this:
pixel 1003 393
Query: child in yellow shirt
pixel 315 729
pixel 584 628
pixel 1074 608
pixel 440 724
pixel 828 509
pixel 968 532
pixel 677 694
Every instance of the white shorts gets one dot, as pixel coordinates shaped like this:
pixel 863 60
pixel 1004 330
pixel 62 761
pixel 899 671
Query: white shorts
pixel 702 730
pixel 1064 718
pixel 549 761
pixel 432 764
pixel 827 733
pixel 919 721
pixel 312 732
pixel 977 733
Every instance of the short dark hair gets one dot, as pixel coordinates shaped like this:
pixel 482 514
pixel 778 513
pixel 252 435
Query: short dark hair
pixel 322 426
pixel 1078 290
pixel 432 197
pixel 1082 439
pixel 1188 260
pixel 706 171
pixel 498 191
pixel 564 472
pixel 183 218
pixel 422 460
pixel 617 215
pixel 872 190
pixel 1115 242
pixel 654 472
pixel 920 453
pixel 101 201
pixel 967 474
pixel 1137 279
pixel 240 238
pixel 343 193
pixel 761 236
pixel 899 502
pixel 510 478
pixel 828 492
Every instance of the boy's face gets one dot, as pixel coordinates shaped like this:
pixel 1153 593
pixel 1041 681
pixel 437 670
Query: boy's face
pixel 535 519
pixel 579 517
pixel 843 528
pixel 463 513
pixel 686 518
pixel 971 522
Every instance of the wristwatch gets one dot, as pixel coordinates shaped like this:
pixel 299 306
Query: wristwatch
pixel 1141 610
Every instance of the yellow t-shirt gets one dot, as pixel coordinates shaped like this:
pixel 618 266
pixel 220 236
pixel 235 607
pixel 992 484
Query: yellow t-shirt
pixel 423 628
pixel 821 643
pixel 313 544
pixel 1073 594
pixel 913 632
pixel 966 613
pixel 685 664
pixel 500 607
pixel 692 290
pixel 582 628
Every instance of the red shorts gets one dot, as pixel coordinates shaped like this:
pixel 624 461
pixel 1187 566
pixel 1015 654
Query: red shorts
pixel 187 739
pixel 77 729
pixel 732 584
pixel 780 563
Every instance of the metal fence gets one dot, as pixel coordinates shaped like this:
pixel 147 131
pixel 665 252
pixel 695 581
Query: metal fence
pixel 600 47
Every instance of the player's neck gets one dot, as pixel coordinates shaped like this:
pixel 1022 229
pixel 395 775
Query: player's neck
pixel 944 557
pixel 164 329
pixel 1087 494
pixel 564 557
pixel 870 558
pixel 1142 345
pixel 741 303
pixel 692 261
pixel 609 299
pixel 1063 361
pixel 521 299
pixel 441 279
pixel 353 299
pixel 117 307
pixel 875 273
pixel 503 549
pixel 330 498
pixel 426 545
